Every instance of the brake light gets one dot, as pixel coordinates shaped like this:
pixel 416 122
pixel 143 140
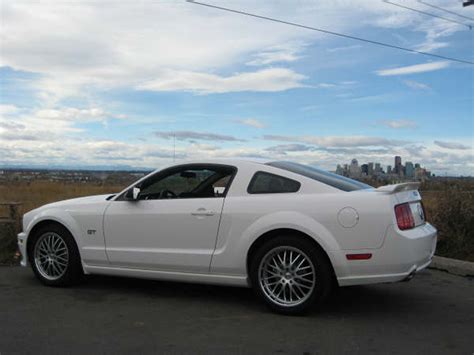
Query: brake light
pixel 404 216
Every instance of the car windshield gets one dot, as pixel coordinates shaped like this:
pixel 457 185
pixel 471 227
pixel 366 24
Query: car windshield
pixel 339 182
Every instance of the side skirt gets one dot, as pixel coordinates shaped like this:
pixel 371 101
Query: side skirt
pixel 225 280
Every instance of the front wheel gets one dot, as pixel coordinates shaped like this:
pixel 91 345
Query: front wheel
pixel 291 274
pixel 54 256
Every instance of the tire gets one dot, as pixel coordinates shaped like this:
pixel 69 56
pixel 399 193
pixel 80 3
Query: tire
pixel 54 256
pixel 305 281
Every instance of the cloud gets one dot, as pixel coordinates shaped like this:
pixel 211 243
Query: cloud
pixel 396 124
pixel 416 85
pixel 284 148
pixel 338 141
pixel 72 114
pixel 270 80
pixel 191 135
pixel 436 30
pixel 340 84
pixel 277 54
pixel 369 98
pixel 345 48
pixel 451 145
pixel 8 109
pixel 326 85
pixel 251 122
pixel 52 124
pixel 414 69
pixel 18 136
pixel 13 126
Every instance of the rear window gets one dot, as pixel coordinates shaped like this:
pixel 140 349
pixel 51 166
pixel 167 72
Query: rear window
pixel 266 183
pixel 339 182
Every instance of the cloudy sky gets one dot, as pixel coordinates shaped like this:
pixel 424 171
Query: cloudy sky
pixel 114 83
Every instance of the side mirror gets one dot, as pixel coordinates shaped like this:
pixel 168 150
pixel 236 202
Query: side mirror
pixel 136 192
pixel 133 194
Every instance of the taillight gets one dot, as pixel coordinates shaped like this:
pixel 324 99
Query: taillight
pixel 404 216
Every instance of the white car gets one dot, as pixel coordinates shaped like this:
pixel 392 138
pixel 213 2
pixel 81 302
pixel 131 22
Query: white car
pixel 290 231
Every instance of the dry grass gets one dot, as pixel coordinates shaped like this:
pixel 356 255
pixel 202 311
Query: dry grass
pixel 452 213
pixel 37 193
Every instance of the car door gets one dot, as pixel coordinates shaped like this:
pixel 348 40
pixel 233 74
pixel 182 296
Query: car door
pixel 173 224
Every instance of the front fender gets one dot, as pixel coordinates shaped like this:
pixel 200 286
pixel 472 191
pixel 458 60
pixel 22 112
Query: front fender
pixel 55 215
pixel 59 216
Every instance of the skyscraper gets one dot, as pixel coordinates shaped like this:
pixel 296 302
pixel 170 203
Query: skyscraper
pixel 365 169
pixel 409 169
pixel 354 169
pixel 370 169
pixel 377 168
pixel 398 165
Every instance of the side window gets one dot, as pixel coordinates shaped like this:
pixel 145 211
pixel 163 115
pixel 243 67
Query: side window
pixel 187 182
pixel 221 185
pixel 266 183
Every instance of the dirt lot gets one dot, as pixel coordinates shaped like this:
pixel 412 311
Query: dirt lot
pixel 432 314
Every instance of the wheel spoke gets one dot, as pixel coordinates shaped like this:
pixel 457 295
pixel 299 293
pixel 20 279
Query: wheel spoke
pixel 301 285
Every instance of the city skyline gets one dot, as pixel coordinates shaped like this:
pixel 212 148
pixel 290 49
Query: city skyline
pixel 126 88
pixel 397 171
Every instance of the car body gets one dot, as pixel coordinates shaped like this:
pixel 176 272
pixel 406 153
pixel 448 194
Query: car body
pixel 211 233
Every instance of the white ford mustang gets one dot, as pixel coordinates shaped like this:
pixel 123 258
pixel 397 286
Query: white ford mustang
pixel 290 231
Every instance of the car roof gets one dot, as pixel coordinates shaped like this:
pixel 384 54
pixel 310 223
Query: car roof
pixel 225 161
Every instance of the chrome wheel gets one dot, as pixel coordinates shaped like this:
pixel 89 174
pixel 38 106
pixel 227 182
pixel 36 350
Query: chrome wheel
pixel 51 256
pixel 287 276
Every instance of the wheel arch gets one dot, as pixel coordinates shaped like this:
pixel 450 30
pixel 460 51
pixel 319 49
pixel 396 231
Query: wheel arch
pixel 262 239
pixel 32 235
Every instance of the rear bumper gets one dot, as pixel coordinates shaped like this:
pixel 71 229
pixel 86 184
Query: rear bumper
pixel 402 255
pixel 22 248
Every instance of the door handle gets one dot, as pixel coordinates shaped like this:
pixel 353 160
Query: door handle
pixel 203 212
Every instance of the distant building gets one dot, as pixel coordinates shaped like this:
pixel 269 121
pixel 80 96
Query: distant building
pixel 354 169
pixel 378 169
pixel 420 173
pixel 370 169
pixel 409 169
pixel 375 171
pixel 365 169
pixel 398 165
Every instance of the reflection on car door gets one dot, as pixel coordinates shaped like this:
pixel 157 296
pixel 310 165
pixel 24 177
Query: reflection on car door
pixel 168 234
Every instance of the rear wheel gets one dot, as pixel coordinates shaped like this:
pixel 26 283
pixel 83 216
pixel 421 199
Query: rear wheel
pixel 291 274
pixel 54 256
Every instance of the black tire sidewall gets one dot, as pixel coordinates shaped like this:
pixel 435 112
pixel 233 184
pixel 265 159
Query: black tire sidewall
pixel 73 272
pixel 323 270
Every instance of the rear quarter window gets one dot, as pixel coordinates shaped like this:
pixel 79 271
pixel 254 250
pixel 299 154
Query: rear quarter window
pixel 267 183
pixel 337 181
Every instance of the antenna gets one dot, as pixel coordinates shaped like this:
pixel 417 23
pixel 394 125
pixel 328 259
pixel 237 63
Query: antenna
pixel 174 147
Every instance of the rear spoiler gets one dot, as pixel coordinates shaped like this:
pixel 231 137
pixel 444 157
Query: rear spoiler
pixel 393 189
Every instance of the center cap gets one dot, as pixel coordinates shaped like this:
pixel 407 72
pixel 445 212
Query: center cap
pixel 288 275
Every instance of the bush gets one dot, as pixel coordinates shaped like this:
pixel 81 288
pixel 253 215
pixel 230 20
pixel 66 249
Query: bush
pixel 452 212
pixel 8 242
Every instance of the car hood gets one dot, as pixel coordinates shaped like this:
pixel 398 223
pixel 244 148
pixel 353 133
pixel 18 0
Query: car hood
pixel 75 201
pixel 81 200
pixel 64 205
